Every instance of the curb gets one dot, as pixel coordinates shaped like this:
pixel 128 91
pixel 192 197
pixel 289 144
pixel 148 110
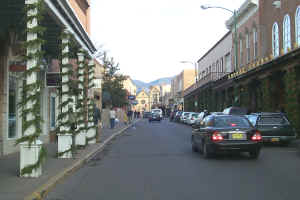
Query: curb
pixel 42 191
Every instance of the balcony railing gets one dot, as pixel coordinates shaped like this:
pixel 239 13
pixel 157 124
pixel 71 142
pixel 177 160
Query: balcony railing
pixel 213 76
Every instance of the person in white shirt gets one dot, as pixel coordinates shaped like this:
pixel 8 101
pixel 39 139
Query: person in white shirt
pixel 112 115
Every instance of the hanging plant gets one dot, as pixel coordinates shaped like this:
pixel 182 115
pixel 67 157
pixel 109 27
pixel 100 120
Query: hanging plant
pixel 30 103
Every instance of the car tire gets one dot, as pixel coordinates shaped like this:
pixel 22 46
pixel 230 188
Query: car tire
pixel 254 154
pixel 206 152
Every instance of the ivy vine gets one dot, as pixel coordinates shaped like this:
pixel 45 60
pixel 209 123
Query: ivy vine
pixel 32 91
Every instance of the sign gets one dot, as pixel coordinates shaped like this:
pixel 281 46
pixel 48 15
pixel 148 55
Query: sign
pixel 53 79
pixel 131 97
pixel 17 68
pixel 134 102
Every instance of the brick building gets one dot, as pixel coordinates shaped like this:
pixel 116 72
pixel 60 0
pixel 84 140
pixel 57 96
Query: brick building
pixel 266 77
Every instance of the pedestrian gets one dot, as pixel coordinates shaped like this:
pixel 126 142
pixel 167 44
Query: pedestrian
pixel 112 116
pixel 97 119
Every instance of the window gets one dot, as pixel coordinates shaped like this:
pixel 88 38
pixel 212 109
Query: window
pixel 297 24
pixel 52 112
pixel 241 52
pixel 254 44
pixel 228 63
pixel 248 48
pixel 221 65
pixel 12 105
pixel 286 33
pixel 275 40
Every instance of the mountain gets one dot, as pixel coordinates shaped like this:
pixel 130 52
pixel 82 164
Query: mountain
pixel 140 84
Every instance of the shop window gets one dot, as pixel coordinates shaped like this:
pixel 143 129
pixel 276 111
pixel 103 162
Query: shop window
pixel 12 107
pixel 52 111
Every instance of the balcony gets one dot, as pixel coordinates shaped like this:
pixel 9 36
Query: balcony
pixel 213 76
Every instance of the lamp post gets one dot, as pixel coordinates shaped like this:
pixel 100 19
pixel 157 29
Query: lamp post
pixel 195 65
pixel 234 12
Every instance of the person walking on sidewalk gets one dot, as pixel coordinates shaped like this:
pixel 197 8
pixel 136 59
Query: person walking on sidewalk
pixel 97 118
pixel 112 115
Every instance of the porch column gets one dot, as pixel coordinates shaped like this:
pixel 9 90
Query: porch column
pixel 91 129
pixel 80 138
pixel 65 136
pixel 31 147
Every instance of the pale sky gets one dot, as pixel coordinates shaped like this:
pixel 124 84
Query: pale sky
pixel 149 38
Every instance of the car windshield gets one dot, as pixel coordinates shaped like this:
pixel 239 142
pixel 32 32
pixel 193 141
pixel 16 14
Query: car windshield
pixel 186 114
pixel 231 121
pixel 195 115
pixel 156 111
pixel 272 120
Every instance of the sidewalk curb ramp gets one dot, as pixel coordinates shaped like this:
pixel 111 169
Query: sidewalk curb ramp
pixel 42 191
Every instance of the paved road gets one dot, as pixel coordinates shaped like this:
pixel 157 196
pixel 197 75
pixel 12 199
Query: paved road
pixel 155 162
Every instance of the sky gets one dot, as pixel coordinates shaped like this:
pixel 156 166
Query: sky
pixel 150 38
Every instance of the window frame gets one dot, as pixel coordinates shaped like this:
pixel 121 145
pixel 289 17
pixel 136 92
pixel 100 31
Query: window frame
pixel 275 39
pixel 286 33
pixel 297 26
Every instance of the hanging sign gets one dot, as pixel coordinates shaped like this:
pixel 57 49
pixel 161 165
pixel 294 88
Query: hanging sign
pixel 53 79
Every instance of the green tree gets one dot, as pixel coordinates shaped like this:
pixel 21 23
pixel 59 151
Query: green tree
pixel 112 88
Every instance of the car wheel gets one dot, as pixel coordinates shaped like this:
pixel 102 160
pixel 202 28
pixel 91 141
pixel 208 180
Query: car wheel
pixel 206 152
pixel 254 154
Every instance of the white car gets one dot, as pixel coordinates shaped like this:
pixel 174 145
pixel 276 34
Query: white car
pixel 192 118
pixel 184 116
pixel 157 111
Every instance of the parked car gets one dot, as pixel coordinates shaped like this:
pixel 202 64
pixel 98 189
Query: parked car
pixel 184 116
pixel 235 111
pixel 229 133
pixel 188 116
pixel 146 115
pixel 192 118
pixel 155 117
pixel 201 117
pixel 274 127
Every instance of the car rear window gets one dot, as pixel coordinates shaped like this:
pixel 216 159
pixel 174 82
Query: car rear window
pixel 195 115
pixel 271 120
pixel 186 114
pixel 231 121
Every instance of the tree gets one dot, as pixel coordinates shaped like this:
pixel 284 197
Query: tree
pixel 113 92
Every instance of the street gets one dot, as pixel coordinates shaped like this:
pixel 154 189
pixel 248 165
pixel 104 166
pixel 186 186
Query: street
pixel 154 161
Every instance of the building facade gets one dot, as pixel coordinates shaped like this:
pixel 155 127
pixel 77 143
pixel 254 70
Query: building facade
pixel 143 100
pixel 266 77
pixel 58 18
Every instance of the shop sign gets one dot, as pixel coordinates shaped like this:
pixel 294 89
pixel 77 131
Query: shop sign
pixel 53 79
pixel 17 68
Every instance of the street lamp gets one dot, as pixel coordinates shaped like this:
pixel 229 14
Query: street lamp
pixel 234 12
pixel 195 65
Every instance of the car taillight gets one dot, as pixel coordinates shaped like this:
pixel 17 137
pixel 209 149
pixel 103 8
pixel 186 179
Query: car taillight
pixel 256 136
pixel 216 137
pixel 192 118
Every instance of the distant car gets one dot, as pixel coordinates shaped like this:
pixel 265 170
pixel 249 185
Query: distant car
pixel 155 117
pixel 146 115
pixel 200 117
pixel 235 111
pixel 157 111
pixel 230 133
pixel 274 127
pixel 184 116
pixel 192 118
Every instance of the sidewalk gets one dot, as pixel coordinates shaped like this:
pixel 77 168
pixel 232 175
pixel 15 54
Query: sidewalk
pixel 13 187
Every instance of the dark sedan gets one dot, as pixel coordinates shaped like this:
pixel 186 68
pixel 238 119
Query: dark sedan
pixel 274 127
pixel 229 133
pixel 155 117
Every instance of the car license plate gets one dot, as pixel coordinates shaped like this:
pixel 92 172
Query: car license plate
pixel 275 140
pixel 238 136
